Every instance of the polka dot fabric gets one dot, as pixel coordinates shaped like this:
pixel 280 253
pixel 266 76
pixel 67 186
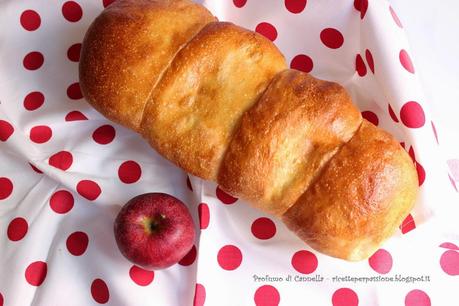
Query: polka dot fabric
pixel 65 171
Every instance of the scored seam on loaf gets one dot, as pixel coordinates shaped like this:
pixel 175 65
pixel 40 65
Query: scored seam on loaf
pixel 317 175
pixel 166 67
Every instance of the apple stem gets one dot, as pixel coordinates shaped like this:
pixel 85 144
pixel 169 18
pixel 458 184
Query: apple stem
pixel 153 224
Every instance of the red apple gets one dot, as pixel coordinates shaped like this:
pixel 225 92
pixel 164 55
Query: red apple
pixel 154 230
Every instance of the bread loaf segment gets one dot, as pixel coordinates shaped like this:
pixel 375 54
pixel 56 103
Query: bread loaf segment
pixel 126 49
pixel 218 101
pixel 359 199
pixel 193 112
pixel 286 138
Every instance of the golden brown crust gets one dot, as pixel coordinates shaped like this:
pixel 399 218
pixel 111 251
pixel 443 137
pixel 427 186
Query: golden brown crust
pixel 213 80
pixel 126 49
pixel 203 94
pixel 359 199
pixel 285 139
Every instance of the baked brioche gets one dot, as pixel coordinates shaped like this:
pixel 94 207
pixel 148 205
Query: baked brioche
pixel 359 199
pixel 210 83
pixel 284 140
pixel 218 101
pixel 127 48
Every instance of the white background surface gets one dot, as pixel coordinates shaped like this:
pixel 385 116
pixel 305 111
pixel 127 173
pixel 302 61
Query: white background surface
pixel 432 29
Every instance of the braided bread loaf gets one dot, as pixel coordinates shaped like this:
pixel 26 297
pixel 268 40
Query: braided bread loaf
pixel 218 101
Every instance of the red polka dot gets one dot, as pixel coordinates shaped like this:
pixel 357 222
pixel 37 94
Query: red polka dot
pixel 332 38
pixel 345 297
pixel 395 17
pixel 189 258
pixel 33 100
pixel 434 129
pixel 61 160
pixel 361 6
pixel 295 6
pixel 6 187
pixel 107 2
pixel 75 116
pixel 453 183
pixel 392 113
pixel 61 201
pixel 204 215
pixel 370 116
pixel 453 165
pixel 88 189
pixel 302 62
pixel 263 228
pixel 40 133
pixel 304 262
pixel 33 60
pixel 73 53
pixel 449 245
pixel 369 58
pixel 17 229
pixel 268 30
pixel 417 297
pixel 104 134
pixel 224 197
pixel 412 115
pixel 35 169
pixel 77 243
pixel 72 11
pixel 229 257
pixel 141 276
pixel 381 261
pixel 188 183
pixel 360 66
pixel 129 172
pixel 405 60
pixel 421 173
pixel 199 295
pixel 74 91
pixel 30 20
pixel 99 291
pixel 239 3
pixel 408 224
pixel 449 262
pixel 411 154
pixel 6 130
pixel 266 295
pixel 35 273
